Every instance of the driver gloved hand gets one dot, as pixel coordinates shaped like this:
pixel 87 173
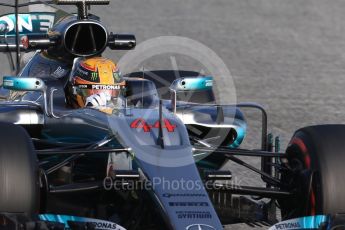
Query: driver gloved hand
pixel 99 99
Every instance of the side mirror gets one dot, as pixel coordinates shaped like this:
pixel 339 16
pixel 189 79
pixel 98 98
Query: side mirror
pixel 192 83
pixel 27 84
pixel 189 84
pixel 24 84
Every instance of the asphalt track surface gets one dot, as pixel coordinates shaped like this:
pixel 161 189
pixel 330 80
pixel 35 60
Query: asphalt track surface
pixel 286 55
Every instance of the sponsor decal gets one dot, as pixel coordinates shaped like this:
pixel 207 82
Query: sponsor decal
pixel 200 227
pixel 169 195
pixel 8 83
pixel 208 83
pixel 94 76
pixel 106 87
pixel 193 215
pixel 59 72
pixel 28 23
pixel 101 87
pixel 309 222
pixel 104 225
pixel 117 75
pixel 142 124
pixel 190 204
pixel 82 86
pixel 82 72
pixel 292 225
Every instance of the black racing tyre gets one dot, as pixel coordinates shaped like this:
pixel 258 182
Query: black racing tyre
pixel 316 172
pixel 19 187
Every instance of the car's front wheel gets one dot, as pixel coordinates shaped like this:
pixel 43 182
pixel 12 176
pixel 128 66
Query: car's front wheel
pixel 19 187
pixel 315 172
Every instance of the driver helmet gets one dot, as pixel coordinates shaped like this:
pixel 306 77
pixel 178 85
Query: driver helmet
pixel 93 76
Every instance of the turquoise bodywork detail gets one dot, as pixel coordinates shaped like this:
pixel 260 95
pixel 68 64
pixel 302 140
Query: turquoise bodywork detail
pixel 241 130
pixel 308 222
pixel 64 219
pixel 23 84
pixel 60 218
pixel 193 83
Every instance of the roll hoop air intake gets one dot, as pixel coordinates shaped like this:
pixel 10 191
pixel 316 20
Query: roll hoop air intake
pixel 79 36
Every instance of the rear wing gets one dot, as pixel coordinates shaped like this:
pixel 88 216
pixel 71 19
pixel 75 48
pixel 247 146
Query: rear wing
pixel 33 23
pixel 28 23
pixel 9 25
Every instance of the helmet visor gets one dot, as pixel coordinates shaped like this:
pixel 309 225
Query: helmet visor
pixel 89 92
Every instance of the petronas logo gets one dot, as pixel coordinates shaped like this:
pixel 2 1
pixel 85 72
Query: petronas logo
pixel 94 76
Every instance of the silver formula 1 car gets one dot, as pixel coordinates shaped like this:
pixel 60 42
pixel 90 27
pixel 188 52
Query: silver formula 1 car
pixel 148 161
